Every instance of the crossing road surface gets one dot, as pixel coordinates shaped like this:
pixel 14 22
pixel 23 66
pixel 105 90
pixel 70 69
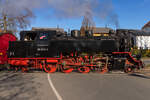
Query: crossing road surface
pixel 74 86
pixel 146 61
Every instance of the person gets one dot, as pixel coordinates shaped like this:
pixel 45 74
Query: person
pixel 26 38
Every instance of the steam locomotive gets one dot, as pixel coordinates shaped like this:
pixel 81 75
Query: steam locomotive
pixel 52 50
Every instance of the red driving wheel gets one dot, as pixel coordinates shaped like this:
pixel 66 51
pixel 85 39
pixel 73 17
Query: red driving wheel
pixel 84 69
pixel 50 68
pixel 66 69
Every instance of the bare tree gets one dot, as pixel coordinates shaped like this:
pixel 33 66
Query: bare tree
pixel 87 24
pixel 14 21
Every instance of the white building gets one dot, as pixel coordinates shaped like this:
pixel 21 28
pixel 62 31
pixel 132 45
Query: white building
pixel 143 42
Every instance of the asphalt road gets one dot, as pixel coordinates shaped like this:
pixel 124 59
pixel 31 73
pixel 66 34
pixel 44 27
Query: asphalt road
pixel 74 86
pixel 146 61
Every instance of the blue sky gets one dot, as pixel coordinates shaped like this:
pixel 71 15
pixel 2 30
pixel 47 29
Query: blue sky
pixel 132 14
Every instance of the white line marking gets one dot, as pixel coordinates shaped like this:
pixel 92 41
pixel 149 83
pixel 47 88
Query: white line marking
pixel 53 88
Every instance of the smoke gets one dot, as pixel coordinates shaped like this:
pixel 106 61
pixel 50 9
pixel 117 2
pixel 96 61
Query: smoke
pixel 101 9
pixel 113 20
pixel 78 8
pixel 17 7
pixel 72 8
pixel 18 13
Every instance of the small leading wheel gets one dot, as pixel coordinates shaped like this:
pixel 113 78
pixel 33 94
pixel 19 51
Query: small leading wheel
pixel 50 68
pixel 13 68
pixel 128 69
pixel 66 69
pixel 84 69
pixel 24 69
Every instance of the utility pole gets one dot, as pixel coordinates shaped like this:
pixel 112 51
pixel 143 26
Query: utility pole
pixel 5 23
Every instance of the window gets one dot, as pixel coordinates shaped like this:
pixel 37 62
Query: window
pixel 30 37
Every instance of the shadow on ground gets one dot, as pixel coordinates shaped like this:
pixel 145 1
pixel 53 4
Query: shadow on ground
pixel 17 86
pixel 140 76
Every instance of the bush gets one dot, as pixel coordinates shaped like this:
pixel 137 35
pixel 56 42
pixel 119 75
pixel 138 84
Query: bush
pixel 147 53
pixel 135 51
pixel 143 52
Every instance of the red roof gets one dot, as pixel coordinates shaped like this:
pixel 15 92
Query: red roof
pixel 146 25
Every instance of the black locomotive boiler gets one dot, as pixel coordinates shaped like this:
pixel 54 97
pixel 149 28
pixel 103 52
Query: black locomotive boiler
pixel 52 51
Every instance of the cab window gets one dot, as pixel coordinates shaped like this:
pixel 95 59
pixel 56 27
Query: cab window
pixel 43 36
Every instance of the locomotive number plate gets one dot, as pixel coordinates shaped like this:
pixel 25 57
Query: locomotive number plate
pixel 42 49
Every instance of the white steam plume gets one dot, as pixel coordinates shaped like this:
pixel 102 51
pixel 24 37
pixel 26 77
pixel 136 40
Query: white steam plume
pixel 102 9
pixel 15 7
